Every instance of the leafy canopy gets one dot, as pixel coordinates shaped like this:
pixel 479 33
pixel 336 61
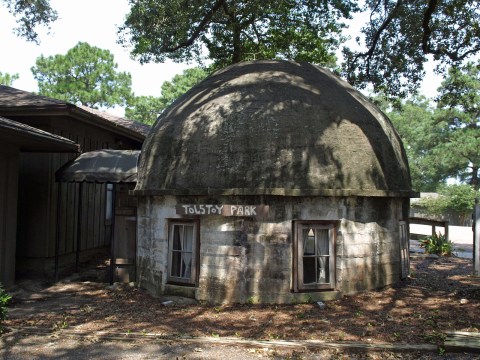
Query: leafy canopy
pixel 30 14
pixel 459 118
pixel 230 31
pixel 397 39
pixel 415 121
pixel 443 142
pixel 7 79
pixel 85 75
pixel 401 35
pixel 458 198
pixel 147 108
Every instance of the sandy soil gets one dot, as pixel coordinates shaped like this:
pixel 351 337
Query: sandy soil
pixel 440 295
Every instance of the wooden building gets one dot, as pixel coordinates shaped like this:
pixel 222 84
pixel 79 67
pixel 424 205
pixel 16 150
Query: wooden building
pixel 41 216
pixel 16 139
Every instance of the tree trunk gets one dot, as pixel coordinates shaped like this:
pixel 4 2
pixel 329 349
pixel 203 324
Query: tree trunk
pixel 474 181
pixel 237 55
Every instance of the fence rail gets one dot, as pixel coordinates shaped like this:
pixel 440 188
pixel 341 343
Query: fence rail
pixel 433 223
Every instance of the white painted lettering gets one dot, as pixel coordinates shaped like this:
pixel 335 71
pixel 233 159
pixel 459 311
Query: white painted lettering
pixel 209 209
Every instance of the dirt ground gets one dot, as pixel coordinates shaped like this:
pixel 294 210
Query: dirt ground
pixel 440 295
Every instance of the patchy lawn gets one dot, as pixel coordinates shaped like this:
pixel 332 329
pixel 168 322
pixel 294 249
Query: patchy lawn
pixel 440 295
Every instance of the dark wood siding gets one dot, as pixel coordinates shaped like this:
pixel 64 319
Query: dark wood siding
pixel 38 197
pixel 8 211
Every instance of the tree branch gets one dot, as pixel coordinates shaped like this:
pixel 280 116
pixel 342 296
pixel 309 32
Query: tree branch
pixel 368 54
pixel 208 17
pixel 427 16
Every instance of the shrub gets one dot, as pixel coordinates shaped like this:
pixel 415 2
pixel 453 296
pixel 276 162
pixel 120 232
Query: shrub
pixel 457 198
pixel 4 298
pixel 437 244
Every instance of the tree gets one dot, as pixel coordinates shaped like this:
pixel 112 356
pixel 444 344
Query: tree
pixel 147 108
pixel 234 30
pixel 415 121
pixel 144 109
pixel 401 35
pixel 459 118
pixel 459 199
pixel 7 79
pixel 443 143
pixel 30 14
pixel 180 84
pixel 86 74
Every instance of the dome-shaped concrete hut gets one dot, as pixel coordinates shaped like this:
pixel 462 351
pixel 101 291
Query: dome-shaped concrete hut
pixel 271 181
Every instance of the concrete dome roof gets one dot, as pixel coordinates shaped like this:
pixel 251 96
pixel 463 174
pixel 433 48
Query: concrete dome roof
pixel 273 128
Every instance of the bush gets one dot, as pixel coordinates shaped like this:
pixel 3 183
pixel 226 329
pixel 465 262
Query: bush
pixel 437 244
pixel 4 298
pixel 457 198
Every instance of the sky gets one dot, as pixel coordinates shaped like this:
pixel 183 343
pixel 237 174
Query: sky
pixel 94 22
pixel 91 21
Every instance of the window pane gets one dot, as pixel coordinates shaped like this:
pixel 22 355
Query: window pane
pixel 182 251
pixel 176 264
pixel 309 276
pixel 187 238
pixel 308 242
pixel 187 251
pixel 314 254
pixel 176 243
pixel 323 270
pixel 322 242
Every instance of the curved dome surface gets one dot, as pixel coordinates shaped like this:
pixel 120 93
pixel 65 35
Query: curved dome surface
pixel 273 127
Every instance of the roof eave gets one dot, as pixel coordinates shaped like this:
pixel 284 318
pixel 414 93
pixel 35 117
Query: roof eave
pixel 278 192
pixel 75 112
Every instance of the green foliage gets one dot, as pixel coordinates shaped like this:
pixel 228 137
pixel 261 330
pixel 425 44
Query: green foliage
pixel 180 84
pixel 230 31
pixel 7 79
pixel 144 109
pixel 457 198
pixel 86 75
pixel 4 299
pixel 442 142
pixel 401 36
pixel 147 108
pixel 414 120
pixel 30 14
pixel 459 119
pixel 437 244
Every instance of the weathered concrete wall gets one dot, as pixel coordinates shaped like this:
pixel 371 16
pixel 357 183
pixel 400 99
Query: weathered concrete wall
pixel 246 259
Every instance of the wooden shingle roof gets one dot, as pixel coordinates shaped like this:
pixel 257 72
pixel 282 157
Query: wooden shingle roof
pixel 14 102
pixel 30 139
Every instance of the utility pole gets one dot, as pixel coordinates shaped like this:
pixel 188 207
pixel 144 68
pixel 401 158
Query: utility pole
pixel 476 238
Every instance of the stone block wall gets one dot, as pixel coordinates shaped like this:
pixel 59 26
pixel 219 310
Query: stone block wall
pixel 248 259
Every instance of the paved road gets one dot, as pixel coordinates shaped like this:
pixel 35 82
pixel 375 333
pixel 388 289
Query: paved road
pixel 460 236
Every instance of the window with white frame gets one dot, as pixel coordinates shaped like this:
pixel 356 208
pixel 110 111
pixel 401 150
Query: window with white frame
pixel 314 261
pixel 182 252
